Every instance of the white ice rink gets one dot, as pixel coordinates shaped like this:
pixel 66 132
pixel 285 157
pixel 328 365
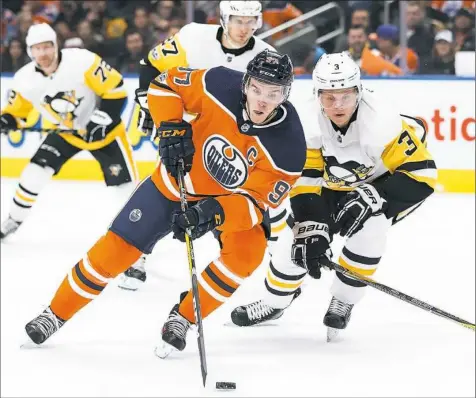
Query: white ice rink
pixel 389 349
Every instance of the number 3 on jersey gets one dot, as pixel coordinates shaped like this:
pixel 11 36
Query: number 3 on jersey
pixel 405 138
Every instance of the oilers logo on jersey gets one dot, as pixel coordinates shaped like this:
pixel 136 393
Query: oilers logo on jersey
pixel 224 162
pixel 62 107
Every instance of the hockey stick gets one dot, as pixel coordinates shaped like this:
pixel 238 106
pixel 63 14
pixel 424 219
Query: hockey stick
pixel 39 130
pixel 401 296
pixel 193 275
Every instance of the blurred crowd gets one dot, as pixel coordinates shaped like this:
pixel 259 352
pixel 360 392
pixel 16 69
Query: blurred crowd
pixel 122 31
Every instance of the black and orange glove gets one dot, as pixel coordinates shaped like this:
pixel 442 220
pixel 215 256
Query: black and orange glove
pixel 176 143
pixel 205 216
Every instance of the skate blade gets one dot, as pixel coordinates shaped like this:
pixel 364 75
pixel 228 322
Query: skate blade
pixel 130 289
pixel 28 343
pixel 164 350
pixel 332 334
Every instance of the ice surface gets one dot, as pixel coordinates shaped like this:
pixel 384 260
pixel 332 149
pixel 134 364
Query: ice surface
pixel 389 349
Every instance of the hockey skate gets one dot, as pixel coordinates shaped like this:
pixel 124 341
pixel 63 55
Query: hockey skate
pixel 135 276
pixel 257 312
pixel 337 317
pixel 9 226
pixel 174 333
pixel 43 326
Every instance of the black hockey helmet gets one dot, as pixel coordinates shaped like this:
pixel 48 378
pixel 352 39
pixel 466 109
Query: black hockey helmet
pixel 270 67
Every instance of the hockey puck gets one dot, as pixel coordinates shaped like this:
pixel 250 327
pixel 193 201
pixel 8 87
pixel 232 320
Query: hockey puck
pixel 225 385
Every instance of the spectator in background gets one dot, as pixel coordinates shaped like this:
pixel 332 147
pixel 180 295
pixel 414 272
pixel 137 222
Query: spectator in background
pixel 92 41
pixel 175 26
pixel 95 14
pixel 420 37
pixel 359 17
pixel 71 13
pixel 9 28
pixel 451 7
pixel 278 12
pixel 463 30
pixel 370 62
pixel 25 20
pixel 305 58
pixel 388 43
pixel 14 57
pixel 442 60
pixel 141 23
pixel 106 25
pixel 128 61
pixel 213 17
pixel 44 10
pixel 161 19
pixel 115 28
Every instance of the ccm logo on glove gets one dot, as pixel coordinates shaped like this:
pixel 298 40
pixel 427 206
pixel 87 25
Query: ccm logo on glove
pixel 172 133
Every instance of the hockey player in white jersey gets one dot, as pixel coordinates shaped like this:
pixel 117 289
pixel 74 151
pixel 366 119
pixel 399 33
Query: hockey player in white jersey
pixel 72 89
pixel 367 167
pixel 199 46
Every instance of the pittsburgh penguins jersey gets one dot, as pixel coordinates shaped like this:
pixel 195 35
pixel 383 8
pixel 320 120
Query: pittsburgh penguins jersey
pixel 199 46
pixel 378 142
pixel 248 168
pixel 67 98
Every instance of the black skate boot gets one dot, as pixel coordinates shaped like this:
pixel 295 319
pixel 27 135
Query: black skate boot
pixel 174 332
pixel 9 226
pixel 337 317
pixel 135 276
pixel 43 326
pixel 257 312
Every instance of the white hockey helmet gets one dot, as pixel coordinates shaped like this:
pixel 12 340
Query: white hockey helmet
pixel 40 33
pixel 336 72
pixel 241 8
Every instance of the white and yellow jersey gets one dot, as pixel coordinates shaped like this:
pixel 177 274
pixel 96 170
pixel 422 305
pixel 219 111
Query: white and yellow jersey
pixel 378 141
pixel 198 46
pixel 67 98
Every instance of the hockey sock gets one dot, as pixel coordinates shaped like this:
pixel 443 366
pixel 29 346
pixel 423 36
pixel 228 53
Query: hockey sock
pixel 215 284
pixel 281 287
pixel 110 256
pixel 32 181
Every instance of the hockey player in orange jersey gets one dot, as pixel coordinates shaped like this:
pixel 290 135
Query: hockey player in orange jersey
pixel 242 154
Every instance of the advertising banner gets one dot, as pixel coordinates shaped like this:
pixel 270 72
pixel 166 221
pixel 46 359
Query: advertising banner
pixel 447 108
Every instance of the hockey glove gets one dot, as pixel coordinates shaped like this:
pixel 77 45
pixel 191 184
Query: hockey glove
pixel 357 207
pixel 7 123
pixel 310 249
pixel 97 127
pixel 144 121
pixel 205 216
pixel 175 144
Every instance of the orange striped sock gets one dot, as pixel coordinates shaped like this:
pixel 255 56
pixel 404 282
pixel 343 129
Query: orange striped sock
pixel 215 285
